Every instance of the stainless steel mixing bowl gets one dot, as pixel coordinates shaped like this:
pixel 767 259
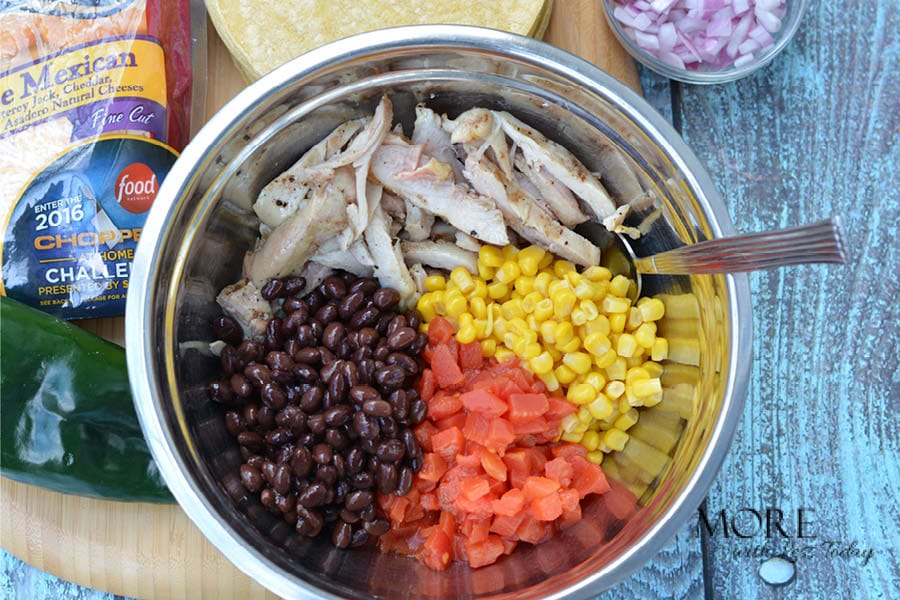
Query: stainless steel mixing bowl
pixel 200 226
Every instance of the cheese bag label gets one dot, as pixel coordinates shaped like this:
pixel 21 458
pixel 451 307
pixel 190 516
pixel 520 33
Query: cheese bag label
pixel 92 114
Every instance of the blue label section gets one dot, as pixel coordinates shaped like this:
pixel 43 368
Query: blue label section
pixel 70 240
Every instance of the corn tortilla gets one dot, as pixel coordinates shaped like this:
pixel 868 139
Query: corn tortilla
pixel 264 34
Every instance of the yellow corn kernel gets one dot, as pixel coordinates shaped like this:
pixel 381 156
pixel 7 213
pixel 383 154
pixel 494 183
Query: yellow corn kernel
pixel 524 285
pixel 614 439
pixel 543 310
pixel 529 334
pixel 488 347
pixel 636 374
pixel 645 388
pixel 510 252
pixel 624 404
pixel 636 360
pixel 480 290
pixel 626 420
pixel 614 389
pixel 518 325
pixel 456 306
pixel 561 267
pixel 595 457
pixel 660 349
pixel 597 273
pixel 542 283
pixel 530 259
pixel 580 393
pixel 578 317
pixel 530 302
pixel 645 335
pixel 585 290
pixel 563 333
pixel 634 319
pixel 478 307
pixel 423 327
pixel 598 325
pixel 550 381
pixel 584 416
pixel 426 308
pixel 512 309
pixel 597 344
pixel 573 437
pixel 533 324
pixel 580 362
pixel 532 349
pixel 556 354
pixel 590 440
pixel 600 407
pixel 508 272
pixel 497 290
pixel 466 334
pixel 573 278
pixel 602 362
pixel 491 256
pixel 654 369
pixel 612 305
pixel 541 364
pixel 590 309
pixel 617 323
pixel 568 423
pixel 435 282
pixel 596 380
pixel 548 331
pixel 617 369
pixel 564 374
pixel 481 328
pixel 546 261
pixel 626 345
pixel 502 354
pixel 465 320
pixel 573 345
pixel 619 286
pixel 485 273
pixel 463 279
pixel 652 310
pixel 519 346
pixel 557 285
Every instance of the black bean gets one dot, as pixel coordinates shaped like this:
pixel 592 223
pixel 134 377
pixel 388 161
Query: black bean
pixel 409 441
pixel 305 336
pixel 397 322
pixel 389 427
pixel 274 338
pixel 359 538
pixel 317 327
pixel 368 336
pixel 314 300
pixel 312 399
pixel 418 345
pixel 309 522
pixel 378 527
pixel 417 412
pixel 290 517
pixel 340 465
pixel 268 470
pixel 383 322
pixel 231 360
pixel 227 329
pixel 400 401
pixel 313 496
pixel 282 482
pixel 404 481
pixel 337 387
pixel 387 478
pixel 251 439
pixel 256 461
pixel 355 461
pixel 344 351
pixel 328 356
pixel 363 480
pixel 267 498
pixel 350 371
pixel 273 289
pixel 363 393
pixel 334 287
pixel 284 453
pixel 367 285
pixel 307 439
pixel 279 437
pixel 251 351
pixel 342 535
pixel 401 338
pixel 326 314
pixel 305 373
pixel 358 500
pixel 360 354
pixel 390 450
pixel 364 317
pixel 338 415
pixel 413 318
pixel 273 395
pixel 368 513
pixel 251 415
pixel 377 408
pixel 292 305
pixel 348 516
pixel 251 478
pixel 389 377
pixel 353 339
pixel 415 463
pixel 294 320
pixel 366 370
pixel 222 392
pixel 278 359
pixel 381 351
pixel 350 304
pixel 258 374
pixel 322 454
pixel 294 285
pixel 310 356
pixel 404 361
pixel 316 423
pixel 289 416
pixel 386 298
pixel 329 369
pixel 301 462
pixel 266 417
pixel 234 422
pixel 327 474
pixel 369 445
pixel 283 377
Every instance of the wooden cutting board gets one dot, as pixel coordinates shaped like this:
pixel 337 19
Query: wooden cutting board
pixel 154 551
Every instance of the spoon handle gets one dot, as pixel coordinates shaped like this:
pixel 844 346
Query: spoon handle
pixel 820 242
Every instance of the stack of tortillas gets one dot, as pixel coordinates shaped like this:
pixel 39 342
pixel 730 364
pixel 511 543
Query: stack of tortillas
pixel 264 34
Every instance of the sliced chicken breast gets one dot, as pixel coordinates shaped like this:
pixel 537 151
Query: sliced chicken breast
pixel 442 255
pixel 388 264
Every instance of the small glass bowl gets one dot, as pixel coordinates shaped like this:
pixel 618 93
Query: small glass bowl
pixel 703 75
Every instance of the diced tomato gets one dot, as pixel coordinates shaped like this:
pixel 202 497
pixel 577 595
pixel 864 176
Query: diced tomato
pixel 534 531
pixel 448 523
pixel 457 420
pixel 559 470
pixel 472 459
pixel 476 428
pixel 426 384
pixel 484 553
pixel 509 504
pixel 433 467
pixel 470 357
pixel 538 487
pixel 474 488
pixel 448 443
pixel 396 512
pixel 437 551
pixel 500 435
pixel 446 370
pixel 548 508
pixel 476 528
pixel 568 449
pixel 569 517
pixel 518 460
pixel 448 492
pixel 507 525
pixel 493 465
pixel 440 330
pixel 620 502
pixel 483 401
pixel 479 508
pixel 559 408
pixel 430 502
pixel 529 426
pixel 588 477
pixel 509 545
pixel 527 406
pixel 414 511
pixel 443 404
pixel 537 456
pixel 423 433
pixel 569 499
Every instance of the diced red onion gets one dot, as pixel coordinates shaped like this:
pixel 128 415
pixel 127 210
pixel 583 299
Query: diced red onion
pixel 702 34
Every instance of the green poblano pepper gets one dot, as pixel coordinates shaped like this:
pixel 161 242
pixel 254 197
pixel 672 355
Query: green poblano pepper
pixel 67 420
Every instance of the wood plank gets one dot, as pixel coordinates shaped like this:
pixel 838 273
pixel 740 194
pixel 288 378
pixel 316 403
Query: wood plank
pixel 813 135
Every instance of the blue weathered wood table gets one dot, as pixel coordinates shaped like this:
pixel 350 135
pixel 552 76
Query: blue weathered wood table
pixel 815 134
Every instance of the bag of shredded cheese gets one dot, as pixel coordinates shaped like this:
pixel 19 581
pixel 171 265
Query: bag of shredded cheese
pixel 95 104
